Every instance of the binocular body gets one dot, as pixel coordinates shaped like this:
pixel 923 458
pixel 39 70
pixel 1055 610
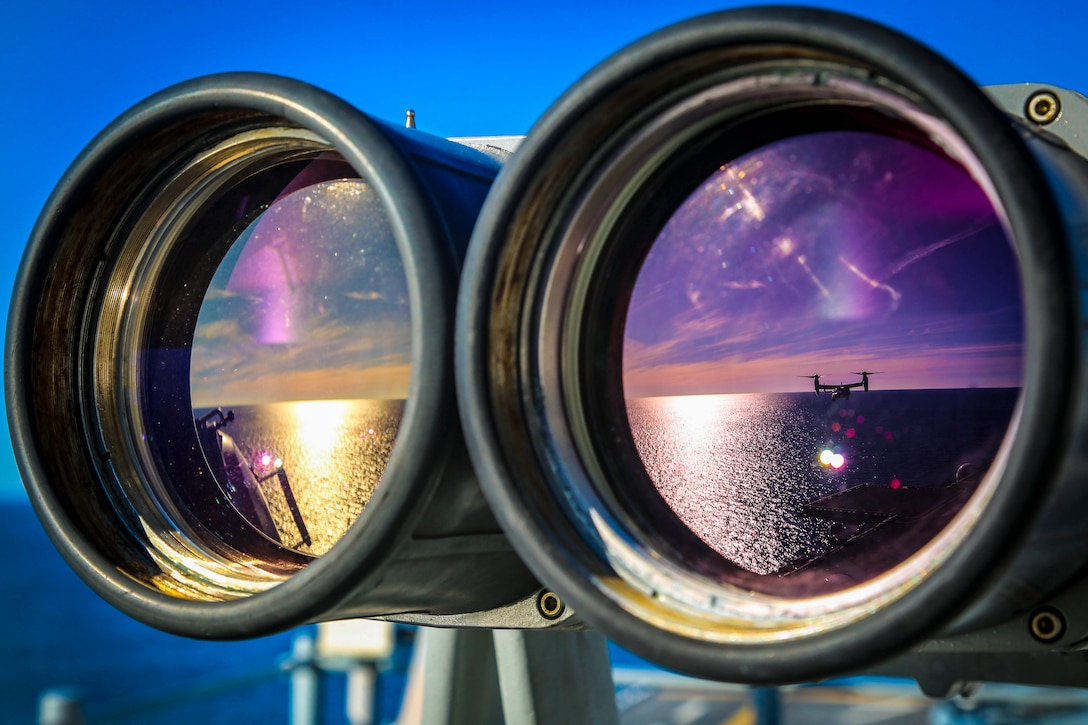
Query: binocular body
pixel 762 354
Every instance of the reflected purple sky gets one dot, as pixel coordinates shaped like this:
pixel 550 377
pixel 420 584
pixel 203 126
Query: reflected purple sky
pixel 311 303
pixel 827 253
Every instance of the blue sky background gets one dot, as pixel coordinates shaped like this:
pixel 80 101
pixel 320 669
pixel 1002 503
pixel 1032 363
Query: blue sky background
pixel 471 68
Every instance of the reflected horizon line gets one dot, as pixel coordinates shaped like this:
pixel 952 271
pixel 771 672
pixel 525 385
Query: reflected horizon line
pixel 859 394
pixel 281 401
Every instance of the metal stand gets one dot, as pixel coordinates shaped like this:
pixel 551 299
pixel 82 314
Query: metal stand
pixel 360 705
pixel 305 698
pixel 480 677
pixel 59 707
pixel 768 705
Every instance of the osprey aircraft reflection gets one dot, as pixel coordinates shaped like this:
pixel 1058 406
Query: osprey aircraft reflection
pixel 842 390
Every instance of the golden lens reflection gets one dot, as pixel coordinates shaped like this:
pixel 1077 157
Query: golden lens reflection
pixel 319 424
pixel 314 464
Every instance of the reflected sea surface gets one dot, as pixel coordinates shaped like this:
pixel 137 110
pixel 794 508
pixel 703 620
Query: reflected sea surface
pixel 334 453
pixel 777 483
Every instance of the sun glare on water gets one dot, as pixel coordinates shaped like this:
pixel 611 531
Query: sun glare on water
pixel 320 423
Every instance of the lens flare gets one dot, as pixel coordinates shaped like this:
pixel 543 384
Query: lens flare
pixel 832 459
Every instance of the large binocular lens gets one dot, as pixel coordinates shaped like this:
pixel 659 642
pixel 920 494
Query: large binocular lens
pixel 304 338
pixel 230 365
pixel 842 251
pixel 764 334
pixel 253 353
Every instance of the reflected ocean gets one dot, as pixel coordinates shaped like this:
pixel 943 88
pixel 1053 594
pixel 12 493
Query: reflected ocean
pixel 740 470
pixel 334 453
pixel 60 634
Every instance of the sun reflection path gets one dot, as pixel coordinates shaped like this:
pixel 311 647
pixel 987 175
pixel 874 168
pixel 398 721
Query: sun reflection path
pixel 316 456
pixel 319 424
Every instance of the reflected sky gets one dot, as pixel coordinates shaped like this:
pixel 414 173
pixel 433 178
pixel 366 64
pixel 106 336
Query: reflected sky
pixel 311 303
pixel 827 253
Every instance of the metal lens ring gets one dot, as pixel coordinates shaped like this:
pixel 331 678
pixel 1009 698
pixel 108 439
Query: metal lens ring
pixel 231 353
pixel 734 496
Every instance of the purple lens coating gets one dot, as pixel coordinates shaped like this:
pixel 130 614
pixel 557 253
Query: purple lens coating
pixel 822 354
pixel 301 362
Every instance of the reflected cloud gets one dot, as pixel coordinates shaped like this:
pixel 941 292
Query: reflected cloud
pixel 253 385
pixel 811 275
pixel 366 296
pixel 310 303
pixel 750 284
pixel 920 254
pixel 895 296
pixel 787 255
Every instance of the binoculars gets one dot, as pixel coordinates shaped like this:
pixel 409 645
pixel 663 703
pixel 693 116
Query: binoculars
pixel 763 354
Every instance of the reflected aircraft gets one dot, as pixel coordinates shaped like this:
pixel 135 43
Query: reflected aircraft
pixel 842 390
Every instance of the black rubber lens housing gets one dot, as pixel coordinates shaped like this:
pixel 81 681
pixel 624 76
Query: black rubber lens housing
pixel 162 501
pixel 546 294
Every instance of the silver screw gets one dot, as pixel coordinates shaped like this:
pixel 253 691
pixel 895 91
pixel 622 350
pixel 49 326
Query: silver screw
pixel 1043 107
